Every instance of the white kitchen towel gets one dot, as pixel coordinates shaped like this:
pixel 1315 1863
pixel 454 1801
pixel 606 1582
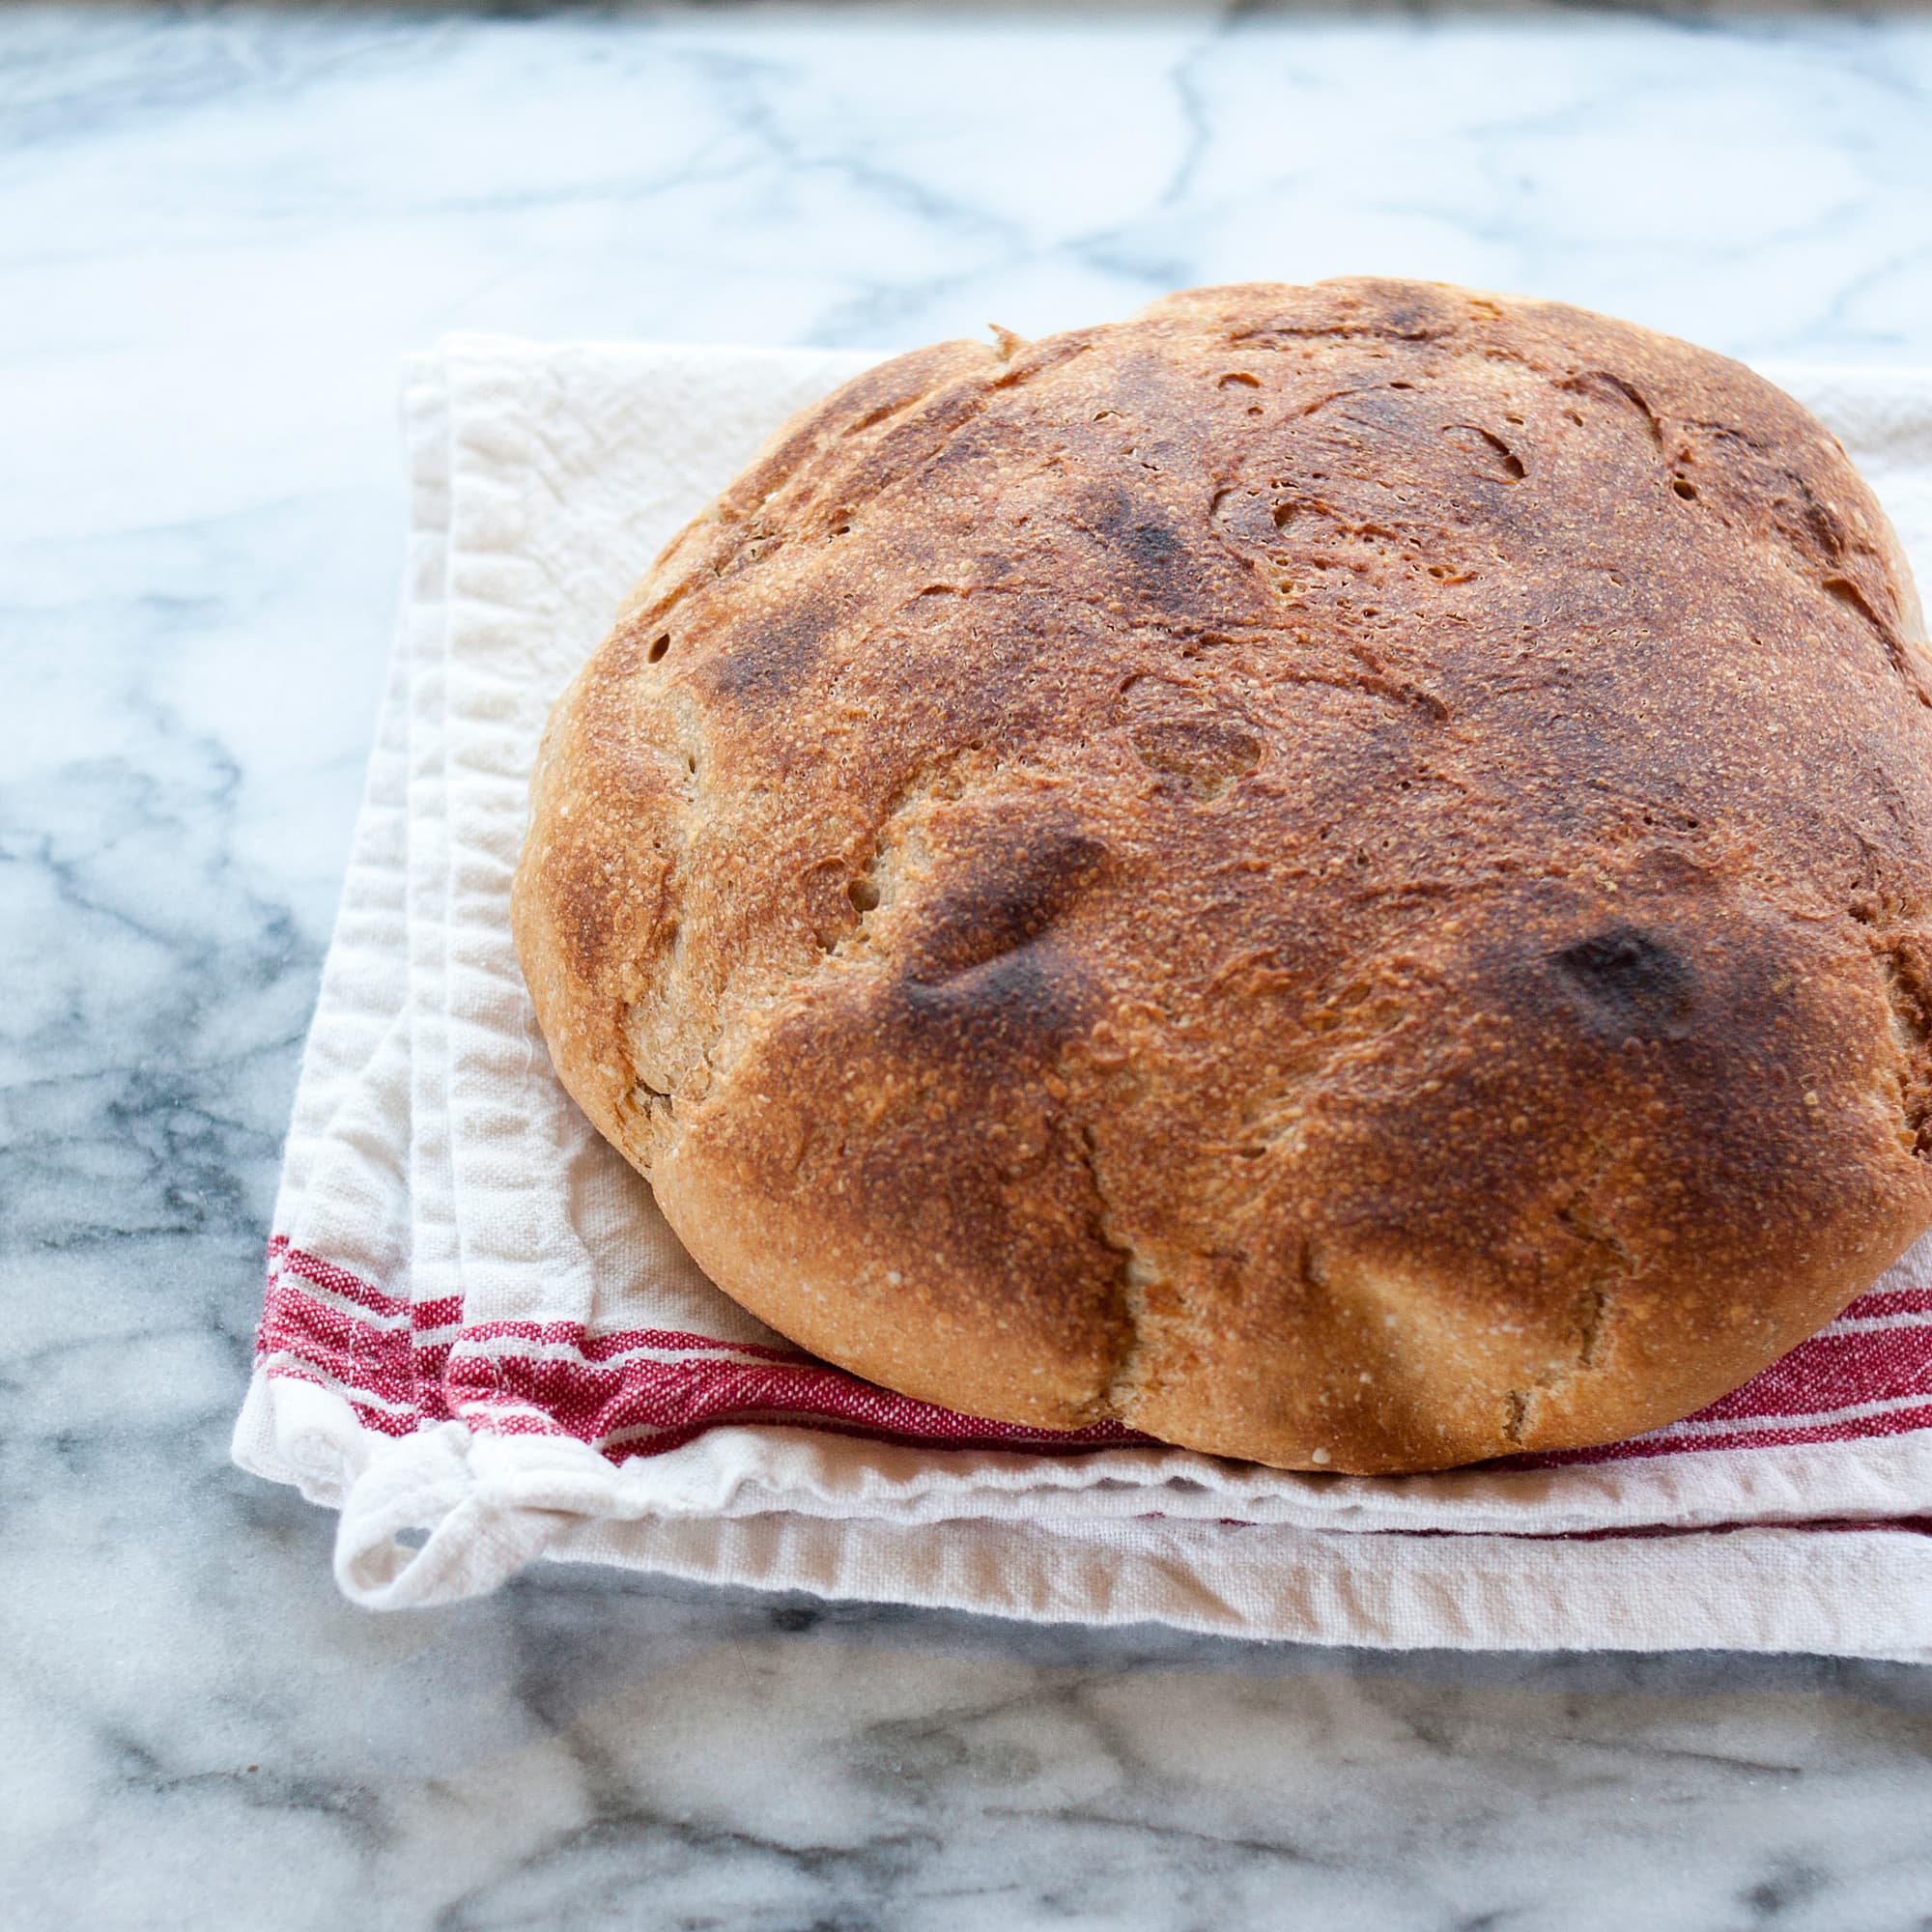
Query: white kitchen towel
pixel 482 1343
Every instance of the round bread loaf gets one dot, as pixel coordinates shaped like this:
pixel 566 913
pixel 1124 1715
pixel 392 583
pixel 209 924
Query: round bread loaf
pixel 1338 873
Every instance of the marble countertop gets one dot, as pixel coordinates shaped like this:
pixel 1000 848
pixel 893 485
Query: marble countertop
pixel 219 230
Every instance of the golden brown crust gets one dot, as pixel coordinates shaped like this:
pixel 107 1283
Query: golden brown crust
pixel 1340 873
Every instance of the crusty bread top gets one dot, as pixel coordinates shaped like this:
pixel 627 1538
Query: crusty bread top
pixel 1339 873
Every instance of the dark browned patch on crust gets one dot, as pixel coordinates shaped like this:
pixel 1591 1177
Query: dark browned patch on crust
pixel 1143 559
pixel 1206 754
pixel 598 912
pixel 1134 533
pixel 999 901
pixel 581 904
pixel 1626 982
pixel 771 654
pixel 1018 1004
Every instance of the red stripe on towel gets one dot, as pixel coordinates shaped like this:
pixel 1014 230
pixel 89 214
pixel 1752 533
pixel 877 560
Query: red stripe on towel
pixel 559 1378
pixel 638 1392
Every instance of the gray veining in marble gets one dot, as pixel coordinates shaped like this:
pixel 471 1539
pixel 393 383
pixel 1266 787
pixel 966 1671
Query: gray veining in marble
pixel 219 228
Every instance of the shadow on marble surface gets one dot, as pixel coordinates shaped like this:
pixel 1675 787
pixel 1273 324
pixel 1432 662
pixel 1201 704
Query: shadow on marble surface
pixel 555 1595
